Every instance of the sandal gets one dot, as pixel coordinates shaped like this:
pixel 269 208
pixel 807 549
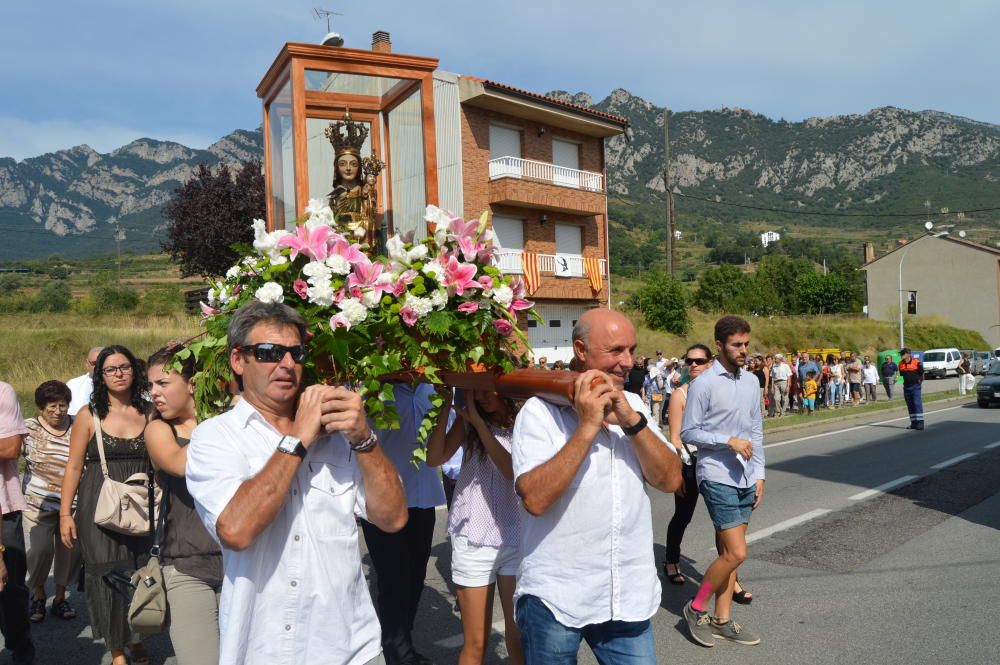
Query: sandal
pixel 676 577
pixel 37 610
pixel 63 610
pixel 743 597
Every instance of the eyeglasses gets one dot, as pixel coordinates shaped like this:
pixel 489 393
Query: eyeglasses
pixel 697 361
pixel 267 352
pixel 122 369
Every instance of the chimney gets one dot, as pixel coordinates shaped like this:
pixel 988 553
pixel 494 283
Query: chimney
pixel 869 252
pixel 381 42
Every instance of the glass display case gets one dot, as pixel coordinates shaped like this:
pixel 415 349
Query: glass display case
pixel 322 103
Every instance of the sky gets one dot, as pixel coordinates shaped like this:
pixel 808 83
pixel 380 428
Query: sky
pixel 105 72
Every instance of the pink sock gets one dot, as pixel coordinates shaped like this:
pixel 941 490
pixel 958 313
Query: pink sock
pixel 701 598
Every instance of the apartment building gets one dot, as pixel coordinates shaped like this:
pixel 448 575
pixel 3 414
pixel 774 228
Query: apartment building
pixel 536 164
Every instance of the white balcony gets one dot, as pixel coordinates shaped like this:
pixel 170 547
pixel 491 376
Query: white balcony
pixel 569 265
pixel 515 167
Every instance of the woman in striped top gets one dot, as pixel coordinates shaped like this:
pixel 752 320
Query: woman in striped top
pixel 484 520
pixel 46 450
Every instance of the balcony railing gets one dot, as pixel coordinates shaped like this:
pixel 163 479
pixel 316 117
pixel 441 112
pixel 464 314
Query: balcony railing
pixel 570 265
pixel 515 167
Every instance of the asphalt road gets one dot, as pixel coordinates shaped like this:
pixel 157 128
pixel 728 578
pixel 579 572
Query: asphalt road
pixel 842 571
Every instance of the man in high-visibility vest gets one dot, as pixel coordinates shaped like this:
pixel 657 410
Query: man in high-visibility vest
pixel 912 371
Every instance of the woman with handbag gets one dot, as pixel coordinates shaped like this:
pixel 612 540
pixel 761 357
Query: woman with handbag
pixel 191 560
pixel 108 438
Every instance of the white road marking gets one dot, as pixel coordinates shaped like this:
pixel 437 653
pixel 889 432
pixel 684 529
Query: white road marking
pixel 995 444
pixel 782 526
pixel 882 489
pixel 857 427
pixel 953 460
pixel 456 641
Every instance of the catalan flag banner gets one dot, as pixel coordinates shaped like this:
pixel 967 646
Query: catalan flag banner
pixel 593 268
pixel 532 277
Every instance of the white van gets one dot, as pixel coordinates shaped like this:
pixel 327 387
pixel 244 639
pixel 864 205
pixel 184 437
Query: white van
pixel 939 363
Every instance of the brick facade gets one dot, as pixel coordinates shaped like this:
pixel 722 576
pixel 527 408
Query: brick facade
pixel 530 200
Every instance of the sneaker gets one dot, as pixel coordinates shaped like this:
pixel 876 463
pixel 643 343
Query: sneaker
pixel 734 632
pixel 699 625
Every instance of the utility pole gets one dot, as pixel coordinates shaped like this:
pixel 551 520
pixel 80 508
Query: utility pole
pixel 118 243
pixel 671 221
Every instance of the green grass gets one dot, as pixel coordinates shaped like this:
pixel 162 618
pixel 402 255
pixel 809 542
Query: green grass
pixel 36 348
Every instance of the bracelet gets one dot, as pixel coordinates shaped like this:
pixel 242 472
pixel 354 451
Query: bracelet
pixel 365 444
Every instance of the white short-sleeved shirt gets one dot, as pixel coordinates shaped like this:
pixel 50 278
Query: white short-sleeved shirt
pixel 297 594
pixel 589 558
pixel 80 389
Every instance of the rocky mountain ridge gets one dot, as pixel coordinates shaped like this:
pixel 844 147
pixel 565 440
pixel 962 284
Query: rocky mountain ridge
pixel 887 159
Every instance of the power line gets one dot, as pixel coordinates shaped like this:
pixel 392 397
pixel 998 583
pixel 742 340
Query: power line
pixel 922 213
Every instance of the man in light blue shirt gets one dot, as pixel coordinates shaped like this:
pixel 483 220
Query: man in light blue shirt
pixel 723 420
pixel 400 559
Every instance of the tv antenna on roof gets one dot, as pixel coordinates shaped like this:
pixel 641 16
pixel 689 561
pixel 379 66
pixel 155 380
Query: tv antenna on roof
pixel 321 14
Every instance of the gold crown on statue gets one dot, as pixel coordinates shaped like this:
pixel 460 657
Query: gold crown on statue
pixel 346 135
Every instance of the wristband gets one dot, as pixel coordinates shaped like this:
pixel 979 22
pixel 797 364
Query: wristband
pixel 365 444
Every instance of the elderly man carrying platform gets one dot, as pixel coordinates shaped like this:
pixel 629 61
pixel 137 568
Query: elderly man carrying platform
pixel 588 571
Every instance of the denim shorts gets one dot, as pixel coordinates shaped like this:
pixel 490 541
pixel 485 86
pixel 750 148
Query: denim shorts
pixel 728 506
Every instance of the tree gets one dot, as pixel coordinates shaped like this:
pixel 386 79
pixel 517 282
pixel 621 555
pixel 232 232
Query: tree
pixel 664 305
pixel 720 289
pixel 209 214
pixel 816 293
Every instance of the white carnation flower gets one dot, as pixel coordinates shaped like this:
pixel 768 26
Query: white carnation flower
pixel 439 298
pixel 270 292
pixel 317 272
pixel 503 295
pixel 432 269
pixel 320 294
pixel 338 264
pixel 233 272
pixel 370 299
pixel 422 306
pixel 353 310
pixel 319 214
pixel 417 253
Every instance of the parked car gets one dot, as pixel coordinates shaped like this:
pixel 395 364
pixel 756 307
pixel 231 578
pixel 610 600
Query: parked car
pixel 975 364
pixel 988 390
pixel 939 363
pixel 985 361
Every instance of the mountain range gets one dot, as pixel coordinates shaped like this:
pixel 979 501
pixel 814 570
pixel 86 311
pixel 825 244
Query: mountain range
pixel 884 161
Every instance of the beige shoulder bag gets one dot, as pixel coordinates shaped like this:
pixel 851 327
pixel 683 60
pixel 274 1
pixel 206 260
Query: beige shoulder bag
pixel 124 507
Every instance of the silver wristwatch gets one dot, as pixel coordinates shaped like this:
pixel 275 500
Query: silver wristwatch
pixel 291 445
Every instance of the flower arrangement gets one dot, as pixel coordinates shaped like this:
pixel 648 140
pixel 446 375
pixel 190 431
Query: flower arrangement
pixel 421 310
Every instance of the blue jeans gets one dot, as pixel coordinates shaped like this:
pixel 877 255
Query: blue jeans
pixel 545 641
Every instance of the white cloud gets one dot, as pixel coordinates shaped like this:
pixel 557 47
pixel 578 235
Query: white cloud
pixel 21 138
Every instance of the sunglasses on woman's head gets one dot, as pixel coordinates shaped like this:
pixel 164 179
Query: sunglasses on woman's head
pixel 266 352
pixel 696 361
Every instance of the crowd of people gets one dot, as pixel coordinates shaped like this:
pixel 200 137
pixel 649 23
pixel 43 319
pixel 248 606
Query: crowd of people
pixel 263 507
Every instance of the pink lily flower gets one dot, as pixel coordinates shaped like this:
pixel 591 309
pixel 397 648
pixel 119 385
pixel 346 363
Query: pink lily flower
pixel 339 321
pixel 459 277
pixel 311 242
pixel 518 304
pixel 365 276
pixel 207 310
pixel 408 277
pixel 503 326
pixel 517 286
pixel 352 252
pixel 486 281
pixel 460 228
pixel 468 307
pixel 469 247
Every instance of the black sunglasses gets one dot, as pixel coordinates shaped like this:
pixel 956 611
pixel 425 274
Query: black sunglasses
pixel 266 352
pixel 697 361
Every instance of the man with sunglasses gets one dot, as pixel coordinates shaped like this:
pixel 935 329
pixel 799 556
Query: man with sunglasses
pixel 723 420
pixel 81 387
pixel 278 481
